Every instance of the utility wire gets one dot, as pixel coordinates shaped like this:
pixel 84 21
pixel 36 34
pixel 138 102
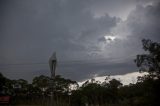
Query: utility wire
pixel 95 61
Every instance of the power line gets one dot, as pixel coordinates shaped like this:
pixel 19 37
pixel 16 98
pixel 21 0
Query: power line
pixel 95 61
pixel 23 64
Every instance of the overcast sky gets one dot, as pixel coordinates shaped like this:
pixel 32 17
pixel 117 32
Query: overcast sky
pixel 90 37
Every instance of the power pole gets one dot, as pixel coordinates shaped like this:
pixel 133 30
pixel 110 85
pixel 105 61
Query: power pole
pixel 52 64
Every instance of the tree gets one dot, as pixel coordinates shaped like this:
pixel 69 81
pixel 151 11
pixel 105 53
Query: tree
pixel 5 85
pixel 150 61
pixel 23 83
pixel 41 82
pixel 113 88
pixel 2 81
pixel 63 85
pixel 115 83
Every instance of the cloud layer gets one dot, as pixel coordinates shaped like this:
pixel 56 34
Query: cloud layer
pixel 30 31
pixel 126 79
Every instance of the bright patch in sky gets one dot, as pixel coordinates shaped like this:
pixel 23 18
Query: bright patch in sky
pixel 125 79
pixel 110 38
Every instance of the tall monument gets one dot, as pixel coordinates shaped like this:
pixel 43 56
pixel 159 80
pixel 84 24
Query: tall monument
pixel 52 65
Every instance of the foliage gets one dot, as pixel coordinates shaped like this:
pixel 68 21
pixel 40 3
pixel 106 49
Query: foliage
pixel 41 82
pixel 150 62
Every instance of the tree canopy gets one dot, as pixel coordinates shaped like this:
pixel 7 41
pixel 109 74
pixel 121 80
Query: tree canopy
pixel 150 61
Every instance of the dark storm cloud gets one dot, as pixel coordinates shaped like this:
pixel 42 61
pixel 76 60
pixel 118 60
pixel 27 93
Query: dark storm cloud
pixel 75 29
pixel 51 25
pixel 144 22
pixel 34 29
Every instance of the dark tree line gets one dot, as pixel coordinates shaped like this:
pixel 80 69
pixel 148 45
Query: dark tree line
pixel 109 93
pixel 38 92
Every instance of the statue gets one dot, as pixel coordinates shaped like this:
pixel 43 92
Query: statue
pixel 52 64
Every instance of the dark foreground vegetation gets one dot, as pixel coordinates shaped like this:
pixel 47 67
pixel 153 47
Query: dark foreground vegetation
pixel 144 93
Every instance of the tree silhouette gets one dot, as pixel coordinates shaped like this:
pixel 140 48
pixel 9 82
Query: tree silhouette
pixel 41 82
pixel 150 62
